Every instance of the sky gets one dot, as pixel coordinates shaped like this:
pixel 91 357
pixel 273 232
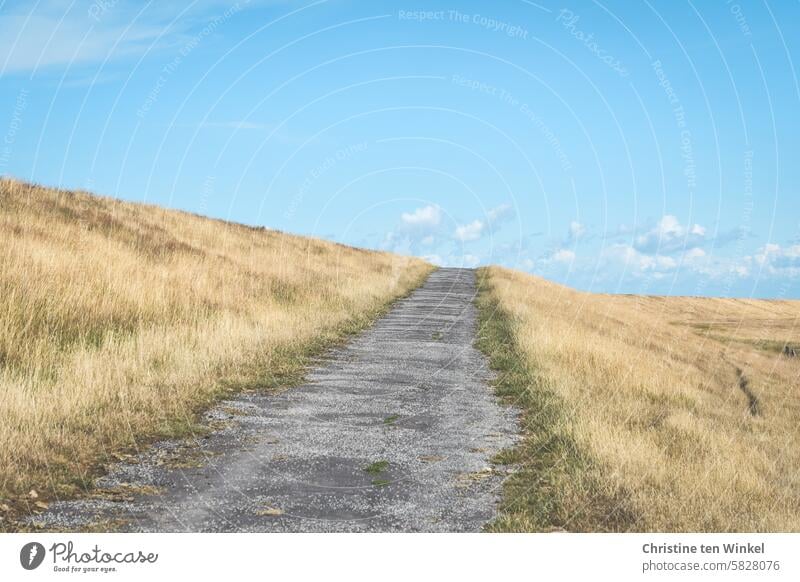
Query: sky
pixel 611 146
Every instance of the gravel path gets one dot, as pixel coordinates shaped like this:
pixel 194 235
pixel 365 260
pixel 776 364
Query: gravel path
pixel 392 432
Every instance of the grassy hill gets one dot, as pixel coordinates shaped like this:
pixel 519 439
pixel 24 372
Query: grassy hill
pixel 119 321
pixel 646 413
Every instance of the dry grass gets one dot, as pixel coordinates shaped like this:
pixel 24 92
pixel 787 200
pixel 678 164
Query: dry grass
pixel 640 410
pixel 119 322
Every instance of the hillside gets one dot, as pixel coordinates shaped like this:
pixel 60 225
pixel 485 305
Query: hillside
pixel 646 413
pixel 120 321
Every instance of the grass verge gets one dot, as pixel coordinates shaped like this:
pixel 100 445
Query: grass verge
pixel 554 486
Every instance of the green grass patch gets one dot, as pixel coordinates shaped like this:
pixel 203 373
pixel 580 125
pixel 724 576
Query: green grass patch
pixel 787 348
pixel 391 419
pixel 775 346
pixel 556 485
pixel 377 467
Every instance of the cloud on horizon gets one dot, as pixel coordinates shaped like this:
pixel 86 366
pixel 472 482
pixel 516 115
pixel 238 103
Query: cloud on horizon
pixel 475 230
pixel 778 260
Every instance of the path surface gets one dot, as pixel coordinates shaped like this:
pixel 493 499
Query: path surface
pixel 407 399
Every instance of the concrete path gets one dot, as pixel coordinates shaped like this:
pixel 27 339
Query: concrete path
pixel 392 432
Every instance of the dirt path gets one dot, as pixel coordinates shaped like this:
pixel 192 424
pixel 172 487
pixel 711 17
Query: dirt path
pixel 393 432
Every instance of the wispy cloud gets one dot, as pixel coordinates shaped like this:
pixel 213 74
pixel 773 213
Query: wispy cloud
pixel 50 35
pixel 239 125
pixel 91 81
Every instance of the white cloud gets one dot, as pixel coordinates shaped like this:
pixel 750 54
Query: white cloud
pixel 694 254
pixel 665 263
pixel 694 260
pixel 778 260
pixel 563 256
pixel 576 230
pixel 499 214
pixel 416 233
pixel 670 248
pixel 434 259
pixel 670 236
pixel 426 217
pixel 551 259
pixel 766 253
pixel 477 228
pixel 471 231
pixel 453 260
pixel 470 261
pixel 635 260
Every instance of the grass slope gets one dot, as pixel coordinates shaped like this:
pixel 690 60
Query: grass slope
pixel 119 322
pixel 638 412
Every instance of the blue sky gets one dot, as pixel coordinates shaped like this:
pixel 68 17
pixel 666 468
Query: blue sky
pixel 615 147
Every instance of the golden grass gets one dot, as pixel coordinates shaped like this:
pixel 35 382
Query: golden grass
pixel 654 427
pixel 119 322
